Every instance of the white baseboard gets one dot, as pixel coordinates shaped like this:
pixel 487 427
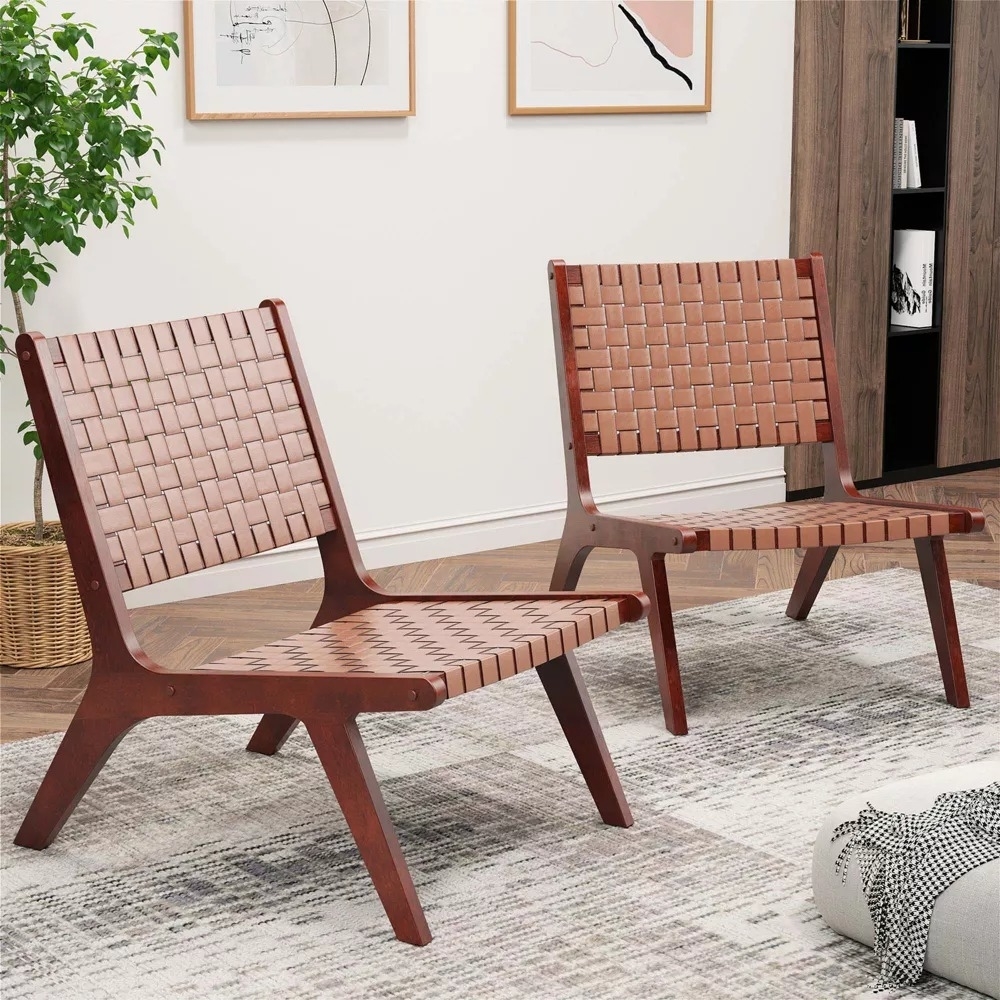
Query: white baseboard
pixel 459 536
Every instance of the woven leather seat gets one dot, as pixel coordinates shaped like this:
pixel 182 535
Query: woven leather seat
pixel 468 644
pixel 809 524
pixel 661 358
pixel 184 445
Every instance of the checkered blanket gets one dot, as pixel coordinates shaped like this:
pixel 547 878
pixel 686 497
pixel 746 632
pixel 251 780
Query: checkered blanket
pixel 907 860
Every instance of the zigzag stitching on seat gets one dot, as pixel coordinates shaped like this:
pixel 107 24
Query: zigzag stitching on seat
pixel 469 643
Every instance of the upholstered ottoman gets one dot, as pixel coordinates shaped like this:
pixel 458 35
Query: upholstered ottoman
pixel 963 943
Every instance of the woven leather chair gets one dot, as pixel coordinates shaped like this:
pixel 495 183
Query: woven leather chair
pixel 183 445
pixel 692 357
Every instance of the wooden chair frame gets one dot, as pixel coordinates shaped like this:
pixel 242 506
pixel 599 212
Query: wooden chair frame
pixel 587 528
pixel 127 686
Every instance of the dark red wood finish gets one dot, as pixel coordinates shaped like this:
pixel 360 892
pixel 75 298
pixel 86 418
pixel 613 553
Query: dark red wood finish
pixel 127 687
pixel 937 590
pixel 587 527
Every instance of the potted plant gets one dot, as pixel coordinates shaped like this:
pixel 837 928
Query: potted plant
pixel 71 135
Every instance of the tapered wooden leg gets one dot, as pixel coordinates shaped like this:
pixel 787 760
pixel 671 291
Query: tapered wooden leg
pixel 937 590
pixel 812 573
pixel 569 563
pixel 271 732
pixel 661 631
pixel 342 752
pixel 88 743
pixel 564 685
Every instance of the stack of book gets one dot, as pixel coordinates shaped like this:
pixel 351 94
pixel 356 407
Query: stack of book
pixel 905 161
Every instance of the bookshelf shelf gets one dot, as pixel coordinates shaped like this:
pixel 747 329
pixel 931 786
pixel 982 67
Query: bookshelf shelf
pixel 923 45
pixel 912 331
pixel 911 397
pixel 919 190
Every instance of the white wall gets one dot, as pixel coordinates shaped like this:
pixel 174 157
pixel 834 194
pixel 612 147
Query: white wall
pixel 412 255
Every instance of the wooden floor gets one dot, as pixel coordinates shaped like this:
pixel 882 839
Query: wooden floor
pixel 33 702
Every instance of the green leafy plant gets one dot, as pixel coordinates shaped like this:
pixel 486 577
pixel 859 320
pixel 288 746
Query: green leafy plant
pixel 71 133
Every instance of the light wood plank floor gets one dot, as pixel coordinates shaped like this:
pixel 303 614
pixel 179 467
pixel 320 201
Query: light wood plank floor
pixel 33 702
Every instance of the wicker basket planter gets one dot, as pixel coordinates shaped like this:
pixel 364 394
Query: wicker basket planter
pixel 41 618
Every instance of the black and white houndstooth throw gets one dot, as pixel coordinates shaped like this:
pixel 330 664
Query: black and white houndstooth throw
pixel 908 859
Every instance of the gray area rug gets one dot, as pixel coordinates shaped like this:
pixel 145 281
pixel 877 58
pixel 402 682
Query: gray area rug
pixel 195 870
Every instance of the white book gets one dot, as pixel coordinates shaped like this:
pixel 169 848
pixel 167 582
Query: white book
pixel 912 161
pixel 904 176
pixel 897 151
pixel 911 288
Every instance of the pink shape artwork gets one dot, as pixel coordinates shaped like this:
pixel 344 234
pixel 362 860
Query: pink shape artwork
pixel 609 56
pixel 668 21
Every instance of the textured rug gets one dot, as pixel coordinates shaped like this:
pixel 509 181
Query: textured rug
pixel 194 870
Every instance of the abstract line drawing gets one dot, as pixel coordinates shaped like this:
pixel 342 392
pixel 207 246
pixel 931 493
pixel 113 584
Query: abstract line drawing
pixel 299 58
pixel 590 56
pixel 301 42
pixel 652 47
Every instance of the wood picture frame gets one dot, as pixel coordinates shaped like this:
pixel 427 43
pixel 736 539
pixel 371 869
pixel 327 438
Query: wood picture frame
pixel 289 59
pixel 618 58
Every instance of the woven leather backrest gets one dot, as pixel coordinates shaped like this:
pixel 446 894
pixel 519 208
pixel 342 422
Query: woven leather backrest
pixel 685 357
pixel 194 442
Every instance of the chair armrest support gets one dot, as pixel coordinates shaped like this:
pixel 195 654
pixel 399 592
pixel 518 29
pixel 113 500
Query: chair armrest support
pixel 347 586
pixel 641 536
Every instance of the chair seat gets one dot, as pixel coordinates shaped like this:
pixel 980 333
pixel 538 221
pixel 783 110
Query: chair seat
pixel 813 523
pixel 468 643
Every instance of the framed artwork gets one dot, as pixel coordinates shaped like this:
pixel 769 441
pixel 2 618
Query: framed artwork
pixel 299 58
pixel 608 56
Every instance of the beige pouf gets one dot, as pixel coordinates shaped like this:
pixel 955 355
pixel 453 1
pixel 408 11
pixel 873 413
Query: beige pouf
pixel 963 943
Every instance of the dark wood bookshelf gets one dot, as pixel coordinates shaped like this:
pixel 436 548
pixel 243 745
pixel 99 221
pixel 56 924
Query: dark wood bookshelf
pixel 912 358
pixel 918 401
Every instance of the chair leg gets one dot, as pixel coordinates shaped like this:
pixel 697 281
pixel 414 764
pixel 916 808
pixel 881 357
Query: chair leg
pixel 937 590
pixel 569 563
pixel 564 685
pixel 85 748
pixel 271 732
pixel 653 572
pixel 342 753
pixel 812 573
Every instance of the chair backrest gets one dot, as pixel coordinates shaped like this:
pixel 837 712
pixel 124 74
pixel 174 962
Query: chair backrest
pixel 195 445
pixel 687 357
